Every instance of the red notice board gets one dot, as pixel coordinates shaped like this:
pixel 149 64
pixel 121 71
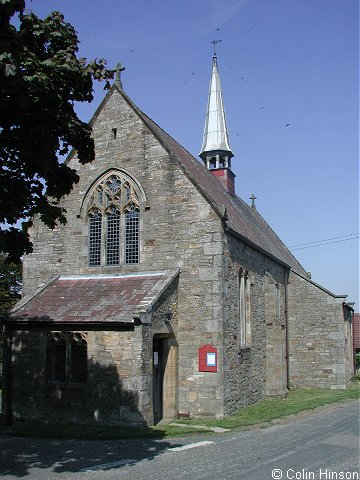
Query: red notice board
pixel 208 359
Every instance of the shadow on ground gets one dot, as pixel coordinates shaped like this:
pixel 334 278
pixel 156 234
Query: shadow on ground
pixel 19 456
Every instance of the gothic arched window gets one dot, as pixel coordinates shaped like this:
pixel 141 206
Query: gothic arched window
pixel 244 308
pixel 66 357
pixel 113 213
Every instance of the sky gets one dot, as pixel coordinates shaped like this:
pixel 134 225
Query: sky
pixel 289 75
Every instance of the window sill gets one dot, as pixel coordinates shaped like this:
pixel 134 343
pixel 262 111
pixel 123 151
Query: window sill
pixel 244 348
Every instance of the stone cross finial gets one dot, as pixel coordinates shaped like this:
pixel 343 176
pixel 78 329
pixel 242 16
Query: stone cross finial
pixel 119 68
pixel 253 198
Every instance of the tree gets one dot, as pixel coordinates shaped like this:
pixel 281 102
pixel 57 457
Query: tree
pixel 40 79
pixel 10 289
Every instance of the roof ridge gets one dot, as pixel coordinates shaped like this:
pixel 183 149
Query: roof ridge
pixel 239 214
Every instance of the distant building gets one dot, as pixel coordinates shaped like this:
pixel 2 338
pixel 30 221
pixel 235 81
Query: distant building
pixel 356 332
pixel 165 294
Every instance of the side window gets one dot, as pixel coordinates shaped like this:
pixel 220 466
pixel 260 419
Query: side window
pixel 244 308
pixel 66 357
pixel 78 358
pixel 113 214
pixel 56 357
pixel 274 304
pixel 277 303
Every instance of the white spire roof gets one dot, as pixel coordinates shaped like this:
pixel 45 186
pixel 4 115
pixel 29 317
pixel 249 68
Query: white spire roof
pixel 215 131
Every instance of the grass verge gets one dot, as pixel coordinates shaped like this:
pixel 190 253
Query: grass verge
pixel 259 413
pixel 275 408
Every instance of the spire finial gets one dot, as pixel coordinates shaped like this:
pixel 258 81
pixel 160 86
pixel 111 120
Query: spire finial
pixel 119 68
pixel 214 42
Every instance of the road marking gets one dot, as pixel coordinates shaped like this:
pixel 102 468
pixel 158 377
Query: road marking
pixel 191 445
pixel 130 461
pixel 107 466
pixel 202 427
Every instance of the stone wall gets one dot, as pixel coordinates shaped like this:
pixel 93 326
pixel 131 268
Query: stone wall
pixel 249 375
pixel 179 229
pixel 319 336
pixel 117 378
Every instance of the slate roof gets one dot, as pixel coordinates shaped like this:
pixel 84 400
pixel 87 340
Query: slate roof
pixel 239 217
pixel 99 299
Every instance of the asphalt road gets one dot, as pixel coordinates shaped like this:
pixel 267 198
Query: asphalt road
pixel 322 445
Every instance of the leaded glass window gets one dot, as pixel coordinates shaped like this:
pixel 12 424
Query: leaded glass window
pixel 113 213
pixel 95 223
pixel 66 357
pixel 78 358
pixel 132 235
pixel 113 238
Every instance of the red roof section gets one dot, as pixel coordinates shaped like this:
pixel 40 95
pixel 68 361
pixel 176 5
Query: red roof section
pixel 356 330
pixel 97 299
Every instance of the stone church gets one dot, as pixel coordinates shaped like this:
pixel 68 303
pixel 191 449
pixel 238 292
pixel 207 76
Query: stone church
pixel 165 294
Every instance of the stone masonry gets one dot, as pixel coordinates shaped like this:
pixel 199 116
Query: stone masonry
pixel 183 227
pixel 319 337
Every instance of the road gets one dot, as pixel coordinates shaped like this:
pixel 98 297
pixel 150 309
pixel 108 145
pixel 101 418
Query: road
pixel 317 445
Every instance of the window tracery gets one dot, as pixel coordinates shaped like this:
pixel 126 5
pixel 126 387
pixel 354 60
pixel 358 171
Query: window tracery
pixel 113 212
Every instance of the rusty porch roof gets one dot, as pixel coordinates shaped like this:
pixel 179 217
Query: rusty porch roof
pixel 97 299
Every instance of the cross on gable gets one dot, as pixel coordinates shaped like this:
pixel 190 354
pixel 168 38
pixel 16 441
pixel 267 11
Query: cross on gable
pixel 253 198
pixel 119 68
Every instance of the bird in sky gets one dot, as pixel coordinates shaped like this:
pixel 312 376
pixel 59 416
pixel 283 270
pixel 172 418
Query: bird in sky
pixel 287 124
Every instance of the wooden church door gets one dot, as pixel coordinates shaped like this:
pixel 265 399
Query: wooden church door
pixel 158 378
pixel 164 377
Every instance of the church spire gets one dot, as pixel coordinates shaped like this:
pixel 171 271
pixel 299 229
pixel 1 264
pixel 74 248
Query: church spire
pixel 215 150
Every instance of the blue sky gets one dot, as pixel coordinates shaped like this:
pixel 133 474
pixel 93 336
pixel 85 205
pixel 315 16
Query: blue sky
pixel 280 62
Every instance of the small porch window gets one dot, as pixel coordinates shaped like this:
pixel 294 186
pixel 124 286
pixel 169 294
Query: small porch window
pixel 66 357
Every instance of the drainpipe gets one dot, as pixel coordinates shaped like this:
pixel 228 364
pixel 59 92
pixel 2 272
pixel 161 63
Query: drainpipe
pixel 287 274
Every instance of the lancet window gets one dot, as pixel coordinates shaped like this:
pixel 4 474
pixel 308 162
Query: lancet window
pixel 244 308
pixel 66 357
pixel 113 213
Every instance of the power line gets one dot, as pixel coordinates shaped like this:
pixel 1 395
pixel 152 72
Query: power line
pixel 328 241
pixel 325 240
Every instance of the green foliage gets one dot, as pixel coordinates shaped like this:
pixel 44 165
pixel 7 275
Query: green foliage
pixel 357 361
pixel 10 288
pixel 40 79
pixel 10 284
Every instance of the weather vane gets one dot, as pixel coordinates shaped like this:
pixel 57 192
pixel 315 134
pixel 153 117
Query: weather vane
pixel 214 42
